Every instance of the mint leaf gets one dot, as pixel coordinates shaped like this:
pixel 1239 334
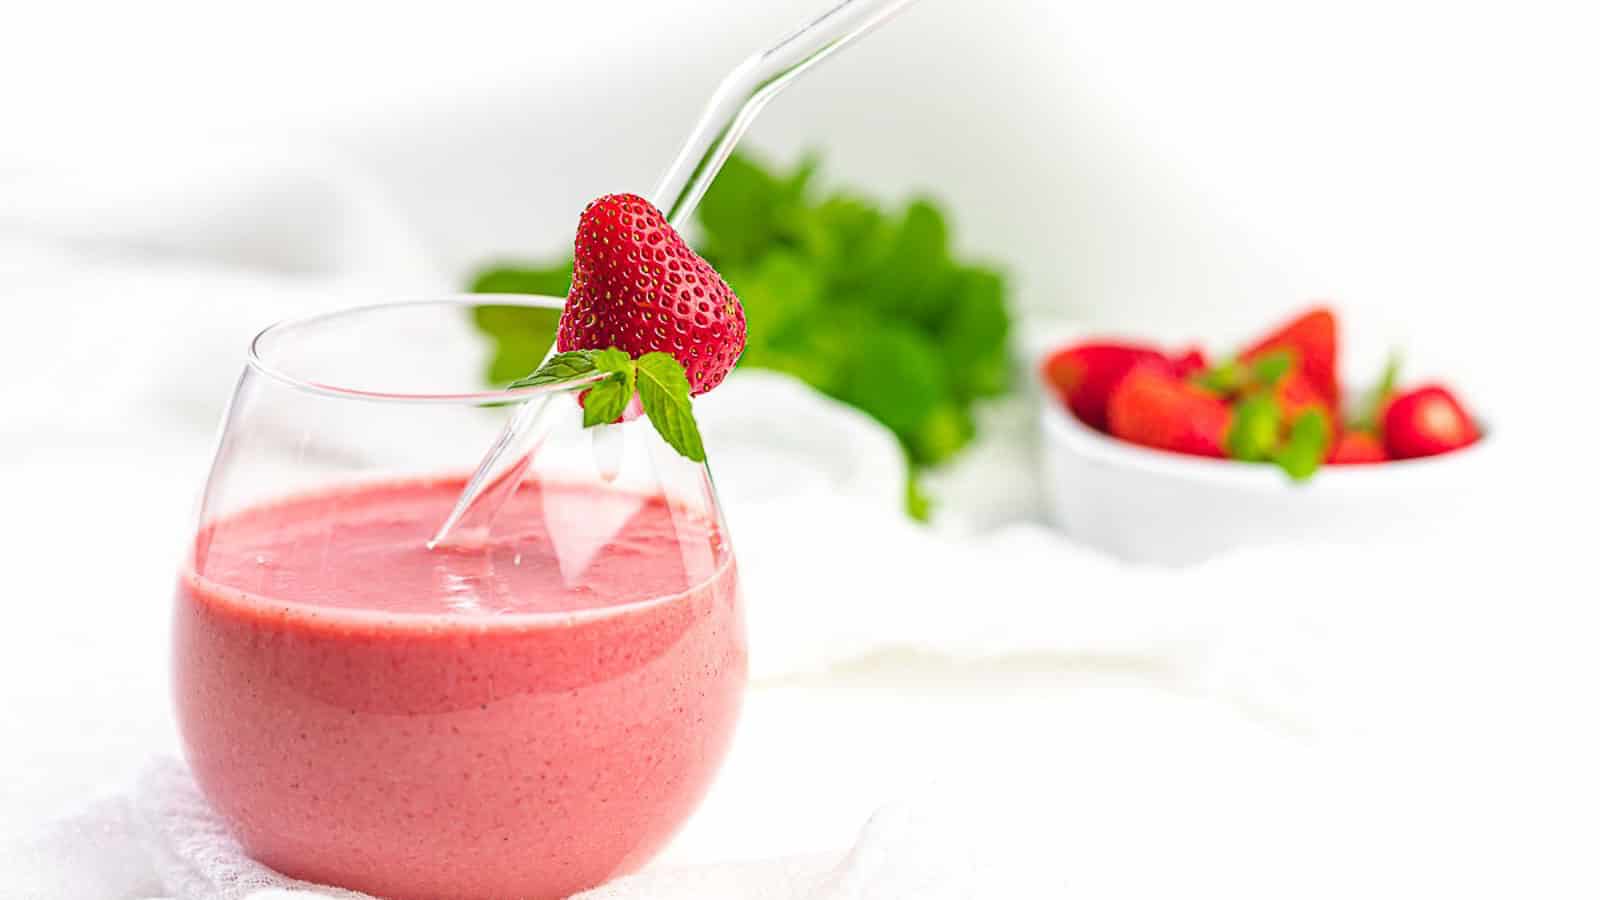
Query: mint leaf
pixel 515 354
pixel 559 369
pixel 1372 408
pixel 1391 377
pixel 850 238
pixel 522 336
pixel 834 286
pixel 832 281
pixel 664 393
pixel 914 279
pixel 893 373
pixel 919 505
pixel 1302 454
pixel 1231 376
pixel 1253 434
pixel 945 431
pixel 782 294
pixel 662 386
pixel 605 402
pixel 749 210
pixel 972 334
pixel 1270 369
pixel 550 281
pixel 1225 378
pixel 613 360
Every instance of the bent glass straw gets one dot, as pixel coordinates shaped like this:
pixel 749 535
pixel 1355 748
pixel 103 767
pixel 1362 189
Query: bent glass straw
pixel 738 100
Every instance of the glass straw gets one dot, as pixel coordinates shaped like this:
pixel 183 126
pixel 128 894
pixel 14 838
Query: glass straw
pixel 738 99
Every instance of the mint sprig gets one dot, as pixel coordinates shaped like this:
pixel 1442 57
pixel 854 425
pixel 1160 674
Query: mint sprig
pixel 659 380
pixel 1232 377
pixel 559 369
pixel 605 402
pixel 869 302
pixel 1257 435
pixel 1372 409
pixel 664 392
pixel 1306 447
pixel 1268 370
pixel 1254 433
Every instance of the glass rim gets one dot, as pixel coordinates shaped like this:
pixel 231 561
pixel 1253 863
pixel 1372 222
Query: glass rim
pixel 256 358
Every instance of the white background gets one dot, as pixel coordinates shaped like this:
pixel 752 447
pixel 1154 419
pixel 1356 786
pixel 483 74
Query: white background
pixel 1188 168
pixel 1429 165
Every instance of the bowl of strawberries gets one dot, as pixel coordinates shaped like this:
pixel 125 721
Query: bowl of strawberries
pixel 1174 457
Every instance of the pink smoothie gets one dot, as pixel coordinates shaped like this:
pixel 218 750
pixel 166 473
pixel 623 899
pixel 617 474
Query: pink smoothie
pixel 520 720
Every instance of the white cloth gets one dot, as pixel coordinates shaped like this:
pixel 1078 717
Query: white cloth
pixel 134 282
pixel 1054 720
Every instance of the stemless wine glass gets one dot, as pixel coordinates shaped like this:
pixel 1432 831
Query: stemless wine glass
pixel 527 712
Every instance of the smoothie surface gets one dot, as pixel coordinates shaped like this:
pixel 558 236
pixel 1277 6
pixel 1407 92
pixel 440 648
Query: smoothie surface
pixel 555 548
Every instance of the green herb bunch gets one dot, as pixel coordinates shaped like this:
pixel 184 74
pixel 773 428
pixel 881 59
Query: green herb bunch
pixel 866 305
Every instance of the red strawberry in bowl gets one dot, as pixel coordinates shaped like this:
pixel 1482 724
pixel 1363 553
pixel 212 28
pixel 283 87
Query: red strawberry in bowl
pixel 1190 362
pixel 1296 394
pixel 1354 448
pixel 1313 337
pixel 638 287
pixel 1426 421
pixel 1154 407
pixel 1271 406
pixel 1084 375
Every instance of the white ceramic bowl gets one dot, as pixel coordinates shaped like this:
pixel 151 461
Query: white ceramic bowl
pixel 1152 506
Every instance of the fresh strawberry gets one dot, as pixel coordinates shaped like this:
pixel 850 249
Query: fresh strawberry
pixel 1314 338
pixel 1084 375
pixel 647 324
pixel 638 287
pixel 1426 421
pixel 1190 362
pixel 1296 394
pixel 1154 407
pixel 1357 448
